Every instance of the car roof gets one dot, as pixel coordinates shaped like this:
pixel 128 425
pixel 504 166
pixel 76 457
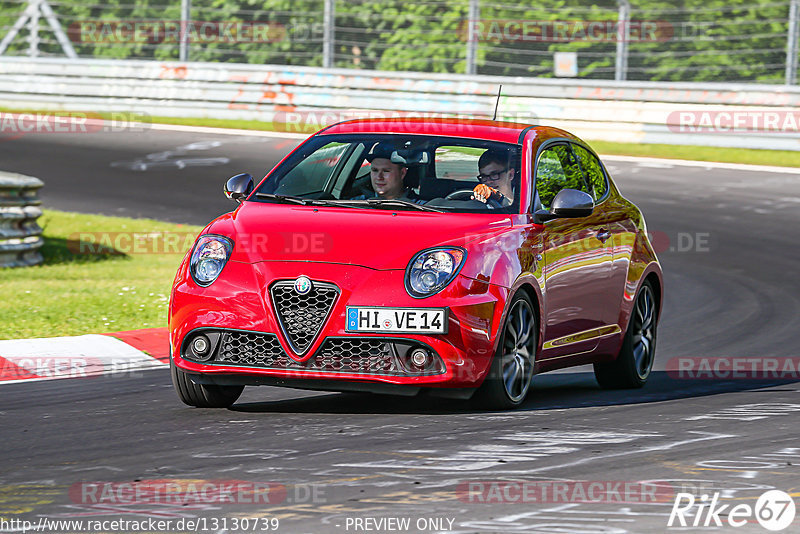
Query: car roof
pixel 505 132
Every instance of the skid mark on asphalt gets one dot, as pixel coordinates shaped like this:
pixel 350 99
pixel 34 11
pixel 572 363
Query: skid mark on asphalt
pixel 704 436
pixel 535 446
pixel 562 517
pixel 266 454
pixel 749 412
pixel 184 156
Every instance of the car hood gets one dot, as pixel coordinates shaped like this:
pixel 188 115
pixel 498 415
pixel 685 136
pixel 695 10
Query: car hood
pixel 378 239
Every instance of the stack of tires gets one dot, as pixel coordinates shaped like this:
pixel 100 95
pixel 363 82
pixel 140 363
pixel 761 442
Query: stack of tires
pixel 20 234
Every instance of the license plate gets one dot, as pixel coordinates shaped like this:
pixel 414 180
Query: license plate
pixel 397 320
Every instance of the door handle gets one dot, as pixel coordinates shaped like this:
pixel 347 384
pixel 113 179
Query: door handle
pixel 603 235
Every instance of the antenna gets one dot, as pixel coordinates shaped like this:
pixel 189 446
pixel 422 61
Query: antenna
pixel 497 103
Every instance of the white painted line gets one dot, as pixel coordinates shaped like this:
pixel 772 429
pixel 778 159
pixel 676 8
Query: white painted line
pixel 703 164
pixel 223 131
pixel 73 357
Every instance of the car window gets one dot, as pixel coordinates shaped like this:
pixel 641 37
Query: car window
pixel 313 173
pixel 558 169
pixel 439 170
pixel 593 170
pixel 457 163
pixel 356 158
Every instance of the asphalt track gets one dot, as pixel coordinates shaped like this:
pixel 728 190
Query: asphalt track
pixel 728 246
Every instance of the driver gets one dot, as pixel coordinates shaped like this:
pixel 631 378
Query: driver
pixel 496 176
pixel 387 177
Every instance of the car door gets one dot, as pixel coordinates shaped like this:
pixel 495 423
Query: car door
pixel 615 218
pixel 577 262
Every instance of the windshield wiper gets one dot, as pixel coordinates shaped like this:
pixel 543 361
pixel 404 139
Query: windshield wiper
pixel 398 202
pixel 347 203
pixel 338 203
pixel 284 198
pixel 358 204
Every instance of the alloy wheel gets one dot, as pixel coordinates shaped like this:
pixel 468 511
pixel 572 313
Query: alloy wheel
pixel 644 332
pixel 519 347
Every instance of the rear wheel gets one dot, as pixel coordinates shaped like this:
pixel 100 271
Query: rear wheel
pixel 636 357
pixel 202 396
pixel 511 371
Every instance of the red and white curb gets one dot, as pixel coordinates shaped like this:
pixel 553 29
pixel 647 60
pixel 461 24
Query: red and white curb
pixel 84 356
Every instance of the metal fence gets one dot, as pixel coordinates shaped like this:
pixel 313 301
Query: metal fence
pixel 649 40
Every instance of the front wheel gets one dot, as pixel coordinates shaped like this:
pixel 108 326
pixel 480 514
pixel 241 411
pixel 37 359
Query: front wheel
pixel 511 371
pixel 200 395
pixel 637 354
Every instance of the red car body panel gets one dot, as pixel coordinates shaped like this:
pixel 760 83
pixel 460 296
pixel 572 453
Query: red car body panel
pixel 327 235
pixel 583 289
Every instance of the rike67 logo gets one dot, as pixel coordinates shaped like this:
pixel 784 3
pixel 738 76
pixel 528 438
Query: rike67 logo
pixel 774 510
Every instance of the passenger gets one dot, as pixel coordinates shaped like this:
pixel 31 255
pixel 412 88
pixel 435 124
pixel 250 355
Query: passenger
pixel 388 178
pixel 496 177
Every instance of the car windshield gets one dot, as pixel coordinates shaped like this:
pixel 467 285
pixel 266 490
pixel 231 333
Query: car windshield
pixel 408 172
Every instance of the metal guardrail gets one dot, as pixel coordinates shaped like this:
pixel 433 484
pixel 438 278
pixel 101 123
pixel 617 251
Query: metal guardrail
pixel 738 40
pixel 644 112
pixel 20 234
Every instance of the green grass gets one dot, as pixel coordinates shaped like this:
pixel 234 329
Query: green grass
pixel 83 287
pixel 783 158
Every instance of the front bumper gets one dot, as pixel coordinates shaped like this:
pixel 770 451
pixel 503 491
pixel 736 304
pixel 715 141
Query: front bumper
pixel 238 306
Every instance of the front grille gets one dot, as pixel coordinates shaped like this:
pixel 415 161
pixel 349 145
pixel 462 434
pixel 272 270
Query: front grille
pixel 337 354
pixel 356 356
pixel 246 348
pixel 302 316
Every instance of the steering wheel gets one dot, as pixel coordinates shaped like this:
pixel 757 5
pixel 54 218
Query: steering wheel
pixel 466 194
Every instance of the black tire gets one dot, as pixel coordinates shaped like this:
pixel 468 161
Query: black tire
pixel 511 372
pixel 636 356
pixel 202 396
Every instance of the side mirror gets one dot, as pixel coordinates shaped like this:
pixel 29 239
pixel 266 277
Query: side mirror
pixel 568 203
pixel 239 187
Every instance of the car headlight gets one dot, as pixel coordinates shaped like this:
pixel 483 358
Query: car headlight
pixel 209 256
pixel 431 270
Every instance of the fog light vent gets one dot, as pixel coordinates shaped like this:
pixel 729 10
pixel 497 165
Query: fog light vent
pixel 420 358
pixel 200 345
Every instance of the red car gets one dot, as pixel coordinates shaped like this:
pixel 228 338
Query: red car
pixel 446 257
